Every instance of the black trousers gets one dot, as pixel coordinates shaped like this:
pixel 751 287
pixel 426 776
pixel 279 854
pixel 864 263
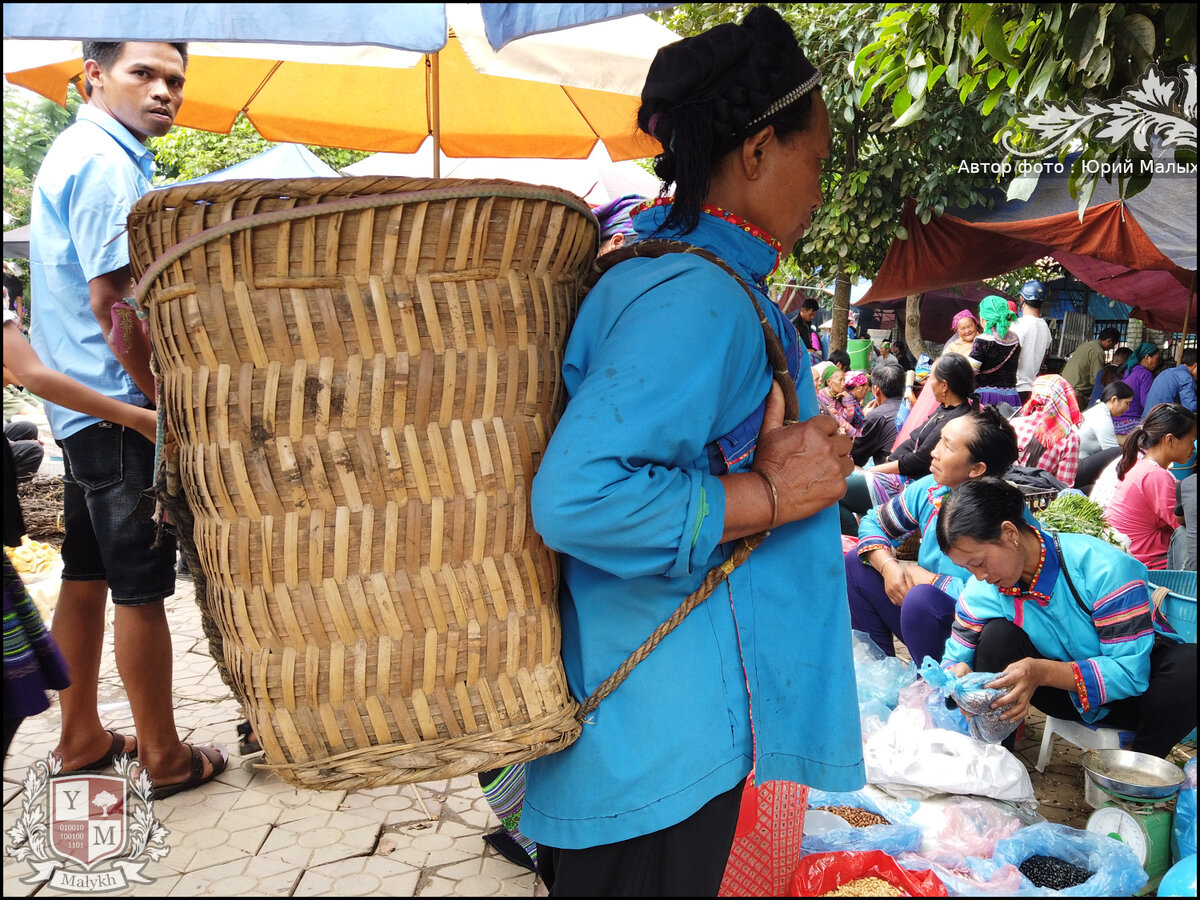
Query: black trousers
pixel 1160 717
pixel 856 502
pixel 684 860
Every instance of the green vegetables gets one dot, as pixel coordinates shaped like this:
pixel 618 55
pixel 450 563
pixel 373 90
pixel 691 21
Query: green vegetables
pixel 1076 514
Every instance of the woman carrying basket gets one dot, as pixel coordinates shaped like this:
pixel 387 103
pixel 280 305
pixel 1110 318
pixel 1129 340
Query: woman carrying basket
pixel 672 449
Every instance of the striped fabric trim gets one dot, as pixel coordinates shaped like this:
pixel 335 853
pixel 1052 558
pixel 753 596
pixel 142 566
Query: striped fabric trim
pixel 1123 615
pixel 867 544
pixel 941 582
pixel 966 630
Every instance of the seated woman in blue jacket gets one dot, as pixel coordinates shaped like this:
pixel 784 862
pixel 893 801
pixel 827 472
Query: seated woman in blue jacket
pixel 916 603
pixel 1067 621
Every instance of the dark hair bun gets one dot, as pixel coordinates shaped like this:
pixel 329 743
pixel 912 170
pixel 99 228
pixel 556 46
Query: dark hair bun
pixel 704 93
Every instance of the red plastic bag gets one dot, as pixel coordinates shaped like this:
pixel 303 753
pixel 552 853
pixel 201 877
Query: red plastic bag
pixel 820 873
pixel 766 843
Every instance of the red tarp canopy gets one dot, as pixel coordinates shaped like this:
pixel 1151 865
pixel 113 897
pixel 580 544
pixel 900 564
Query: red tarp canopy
pixel 1141 252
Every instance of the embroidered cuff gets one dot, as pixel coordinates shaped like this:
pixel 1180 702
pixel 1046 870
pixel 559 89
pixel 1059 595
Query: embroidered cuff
pixel 867 544
pixel 1082 703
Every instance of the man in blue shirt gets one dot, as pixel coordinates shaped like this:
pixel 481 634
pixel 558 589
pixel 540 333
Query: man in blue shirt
pixel 82 326
pixel 1176 384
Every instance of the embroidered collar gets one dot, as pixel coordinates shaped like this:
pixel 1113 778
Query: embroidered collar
pixel 1045 576
pixel 733 219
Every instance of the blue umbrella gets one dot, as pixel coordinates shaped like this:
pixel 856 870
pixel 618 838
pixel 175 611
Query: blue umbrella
pixel 419 27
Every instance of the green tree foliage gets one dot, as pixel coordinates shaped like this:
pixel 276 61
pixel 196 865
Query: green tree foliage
pixel 1013 59
pixel 185 153
pixel 30 127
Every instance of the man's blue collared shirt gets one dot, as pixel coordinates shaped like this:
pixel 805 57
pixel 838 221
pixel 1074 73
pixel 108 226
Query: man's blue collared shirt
pixel 93 174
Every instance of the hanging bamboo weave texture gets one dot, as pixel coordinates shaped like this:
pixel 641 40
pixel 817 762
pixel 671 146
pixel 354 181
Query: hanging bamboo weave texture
pixel 360 376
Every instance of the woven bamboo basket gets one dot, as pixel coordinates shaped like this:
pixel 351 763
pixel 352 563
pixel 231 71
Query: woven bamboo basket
pixel 360 376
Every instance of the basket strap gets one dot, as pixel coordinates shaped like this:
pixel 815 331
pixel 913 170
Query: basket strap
pixel 1158 597
pixel 717 574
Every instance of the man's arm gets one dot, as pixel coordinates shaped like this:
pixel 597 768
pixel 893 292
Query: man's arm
pixel 128 340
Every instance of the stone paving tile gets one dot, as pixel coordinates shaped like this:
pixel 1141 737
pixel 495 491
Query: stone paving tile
pixel 360 877
pixel 319 839
pixel 253 876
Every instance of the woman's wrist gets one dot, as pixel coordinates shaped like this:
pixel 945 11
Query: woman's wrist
pixel 883 563
pixel 772 493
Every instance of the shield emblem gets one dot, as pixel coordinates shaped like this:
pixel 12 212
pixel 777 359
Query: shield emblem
pixel 87 818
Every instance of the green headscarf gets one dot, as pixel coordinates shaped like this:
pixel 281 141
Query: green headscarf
pixel 996 315
pixel 827 374
pixel 1143 350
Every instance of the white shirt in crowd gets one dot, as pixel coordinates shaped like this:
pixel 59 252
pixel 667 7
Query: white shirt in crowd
pixel 1096 431
pixel 1035 341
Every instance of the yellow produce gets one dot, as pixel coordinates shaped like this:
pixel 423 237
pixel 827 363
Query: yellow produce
pixel 33 557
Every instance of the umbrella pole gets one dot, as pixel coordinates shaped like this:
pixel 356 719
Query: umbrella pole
pixel 436 113
pixel 1187 309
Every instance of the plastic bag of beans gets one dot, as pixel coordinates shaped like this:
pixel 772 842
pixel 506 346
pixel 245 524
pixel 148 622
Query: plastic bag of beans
pixel 1050 855
pixel 866 874
pixel 872 823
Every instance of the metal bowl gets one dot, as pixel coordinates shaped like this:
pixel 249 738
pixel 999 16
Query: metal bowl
pixel 1139 776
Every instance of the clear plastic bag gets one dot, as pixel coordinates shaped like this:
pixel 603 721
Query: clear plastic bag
pixel 880 677
pixel 1115 870
pixel 969 826
pixel 974 698
pixel 899 836
pixel 973 876
pixel 1183 831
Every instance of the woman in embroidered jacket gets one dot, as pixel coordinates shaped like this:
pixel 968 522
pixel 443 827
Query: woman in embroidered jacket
pixel 1066 620
pixel 916 603
pixel 835 400
pixel 995 353
pixel 671 449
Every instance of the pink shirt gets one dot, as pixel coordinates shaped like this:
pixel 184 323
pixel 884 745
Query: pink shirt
pixel 1143 509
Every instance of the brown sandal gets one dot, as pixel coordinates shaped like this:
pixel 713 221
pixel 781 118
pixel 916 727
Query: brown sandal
pixel 216 754
pixel 116 749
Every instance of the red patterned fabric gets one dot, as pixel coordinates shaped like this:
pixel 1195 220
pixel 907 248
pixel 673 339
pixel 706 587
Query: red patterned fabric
pixel 766 844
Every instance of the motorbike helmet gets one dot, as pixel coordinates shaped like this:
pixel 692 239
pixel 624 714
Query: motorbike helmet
pixel 1033 292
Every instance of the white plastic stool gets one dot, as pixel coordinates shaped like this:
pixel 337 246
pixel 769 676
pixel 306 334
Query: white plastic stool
pixel 1088 737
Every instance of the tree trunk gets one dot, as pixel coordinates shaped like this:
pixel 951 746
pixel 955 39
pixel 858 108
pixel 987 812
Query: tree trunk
pixel 912 326
pixel 841 312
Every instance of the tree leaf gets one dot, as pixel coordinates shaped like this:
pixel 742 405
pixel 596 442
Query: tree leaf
pixel 1023 185
pixel 1037 88
pixel 994 42
pixel 994 76
pixel 917 79
pixel 1080 36
pixel 901 103
pixel 1086 189
pixel 1139 30
pixel 912 113
pixel 992 99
